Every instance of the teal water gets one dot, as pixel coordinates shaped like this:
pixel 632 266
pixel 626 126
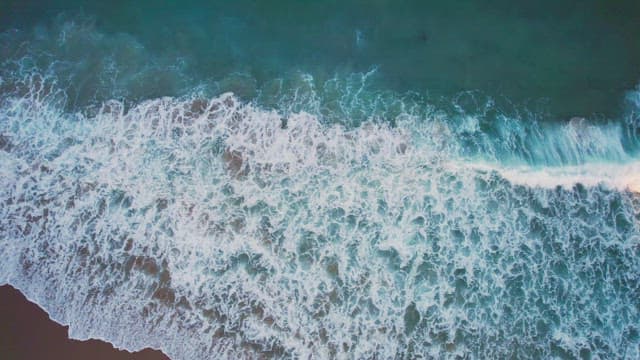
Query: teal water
pixel 326 179
pixel 571 59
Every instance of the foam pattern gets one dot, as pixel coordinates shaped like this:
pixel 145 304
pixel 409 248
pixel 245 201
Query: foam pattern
pixel 212 227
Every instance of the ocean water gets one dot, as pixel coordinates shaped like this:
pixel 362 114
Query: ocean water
pixel 366 180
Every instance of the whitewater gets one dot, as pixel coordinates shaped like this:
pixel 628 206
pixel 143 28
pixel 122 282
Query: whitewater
pixel 333 222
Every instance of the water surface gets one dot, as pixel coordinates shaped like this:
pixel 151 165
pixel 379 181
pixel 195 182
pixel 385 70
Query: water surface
pixel 325 179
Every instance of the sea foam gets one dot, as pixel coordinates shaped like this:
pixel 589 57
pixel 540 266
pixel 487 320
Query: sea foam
pixel 213 227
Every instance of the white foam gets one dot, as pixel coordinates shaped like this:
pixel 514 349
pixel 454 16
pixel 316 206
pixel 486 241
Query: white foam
pixel 621 177
pixel 204 227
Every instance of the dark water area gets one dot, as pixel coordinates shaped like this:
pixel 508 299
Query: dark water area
pixel 564 58
pixel 27 333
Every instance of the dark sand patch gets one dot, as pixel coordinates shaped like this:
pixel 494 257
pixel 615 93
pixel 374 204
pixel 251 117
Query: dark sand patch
pixel 26 332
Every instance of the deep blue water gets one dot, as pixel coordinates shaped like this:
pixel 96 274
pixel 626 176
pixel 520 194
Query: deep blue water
pixel 332 179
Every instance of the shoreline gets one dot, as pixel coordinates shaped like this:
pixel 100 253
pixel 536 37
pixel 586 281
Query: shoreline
pixel 27 332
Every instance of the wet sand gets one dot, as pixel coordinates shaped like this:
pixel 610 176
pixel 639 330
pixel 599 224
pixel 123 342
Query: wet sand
pixel 26 332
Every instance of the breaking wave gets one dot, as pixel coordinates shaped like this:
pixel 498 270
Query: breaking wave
pixel 356 225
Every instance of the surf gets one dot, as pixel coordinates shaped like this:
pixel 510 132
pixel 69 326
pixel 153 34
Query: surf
pixel 212 225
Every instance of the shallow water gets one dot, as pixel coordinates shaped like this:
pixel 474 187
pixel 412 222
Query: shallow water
pixel 332 206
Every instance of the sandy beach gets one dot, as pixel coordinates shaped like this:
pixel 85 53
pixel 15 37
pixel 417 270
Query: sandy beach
pixel 27 333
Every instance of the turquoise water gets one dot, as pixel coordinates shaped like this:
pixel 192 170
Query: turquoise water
pixel 328 179
pixel 571 59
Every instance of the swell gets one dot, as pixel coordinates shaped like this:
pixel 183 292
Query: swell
pixel 208 225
